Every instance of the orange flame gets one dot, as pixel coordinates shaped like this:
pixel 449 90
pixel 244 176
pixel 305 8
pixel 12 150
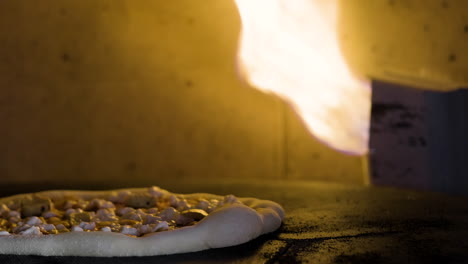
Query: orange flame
pixel 290 47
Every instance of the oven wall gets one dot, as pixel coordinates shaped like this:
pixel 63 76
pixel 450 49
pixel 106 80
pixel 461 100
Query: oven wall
pixel 139 91
pixel 417 43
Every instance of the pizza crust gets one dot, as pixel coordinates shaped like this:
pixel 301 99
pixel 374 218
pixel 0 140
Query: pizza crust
pixel 229 225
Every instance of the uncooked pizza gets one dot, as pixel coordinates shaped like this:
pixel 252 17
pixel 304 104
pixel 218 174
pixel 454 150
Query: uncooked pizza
pixel 130 222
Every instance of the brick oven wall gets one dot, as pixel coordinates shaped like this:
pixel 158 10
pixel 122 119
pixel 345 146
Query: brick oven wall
pixel 123 90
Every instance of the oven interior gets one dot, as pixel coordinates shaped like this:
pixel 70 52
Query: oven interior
pixel 108 94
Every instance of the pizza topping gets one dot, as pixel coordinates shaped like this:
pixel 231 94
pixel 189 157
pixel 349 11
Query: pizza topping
pixel 133 215
pixel 13 220
pixel 106 229
pixel 119 197
pixel 128 222
pixel 70 211
pixel 203 204
pixel 195 214
pixel 163 225
pixel 33 230
pixel 124 210
pixel 60 227
pixel 150 219
pixel 230 199
pixel 4 210
pixel 169 214
pixel 106 215
pixel 100 204
pixel 130 213
pixel 49 227
pixel 76 229
pixel 35 205
pixel 173 201
pixel 144 229
pixel 49 214
pixel 33 221
pixel 129 230
pixel 15 214
pixel 183 205
pixel 77 218
pixel 140 200
pixel 55 221
pixel 20 228
pixel 75 204
pixel 152 211
pixel 156 191
pixel 88 226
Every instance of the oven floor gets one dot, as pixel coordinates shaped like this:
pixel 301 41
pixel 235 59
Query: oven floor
pixel 325 223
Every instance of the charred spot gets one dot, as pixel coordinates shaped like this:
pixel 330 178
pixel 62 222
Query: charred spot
pixel 189 83
pixel 422 142
pixel 407 172
pixel 465 28
pixel 426 28
pixel 408 115
pixel 65 57
pixel 393 117
pixel 131 166
pixel 412 141
pixel 401 125
pixel 63 11
pixel 43 208
pixel 382 109
pixel 444 4
pixel 452 57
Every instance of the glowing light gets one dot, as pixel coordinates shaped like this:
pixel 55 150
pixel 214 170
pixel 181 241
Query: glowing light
pixel 290 47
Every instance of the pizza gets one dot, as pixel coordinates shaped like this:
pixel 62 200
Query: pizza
pixel 130 222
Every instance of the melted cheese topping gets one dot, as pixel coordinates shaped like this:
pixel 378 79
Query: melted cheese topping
pixel 134 214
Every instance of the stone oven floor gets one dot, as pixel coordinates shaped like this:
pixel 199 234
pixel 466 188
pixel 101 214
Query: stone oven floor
pixel 325 223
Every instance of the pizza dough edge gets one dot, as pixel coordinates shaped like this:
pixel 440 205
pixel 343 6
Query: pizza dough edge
pixel 229 225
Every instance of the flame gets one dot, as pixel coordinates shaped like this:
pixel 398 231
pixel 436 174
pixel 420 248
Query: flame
pixel 291 47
